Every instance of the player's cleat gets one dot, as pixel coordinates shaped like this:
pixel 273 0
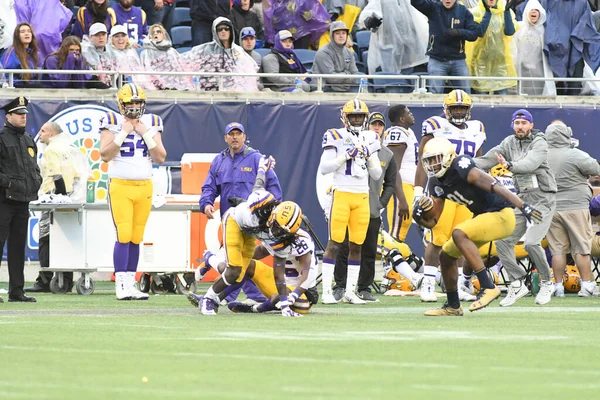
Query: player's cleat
pixel 428 290
pixel 516 290
pixel 239 307
pixel 466 285
pixel 445 311
pixel 587 289
pixel 288 312
pixel 545 294
pixel 559 290
pixel 209 306
pixel 121 288
pixel 484 298
pixel 194 299
pixel 352 298
pixel 137 295
pixel 328 298
pixel 464 296
pixel 204 266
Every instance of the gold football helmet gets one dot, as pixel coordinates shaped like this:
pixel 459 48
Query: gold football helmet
pixel 355 116
pixel 572 279
pixel 394 280
pixel 132 100
pixel 457 107
pixel 477 286
pixel 285 219
pixel 438 154
pixel 499 170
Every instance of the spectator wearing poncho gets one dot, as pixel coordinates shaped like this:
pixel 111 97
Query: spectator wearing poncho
pixel 283 60
pixel 126 57
pixel 399 38
pixel 222 55
pixel 307 20
pixel 160 56
pixel 529 57
pixel 490 54
pixel 242 16
pixel 95 53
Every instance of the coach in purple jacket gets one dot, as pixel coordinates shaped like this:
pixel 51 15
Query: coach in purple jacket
pixel 232 173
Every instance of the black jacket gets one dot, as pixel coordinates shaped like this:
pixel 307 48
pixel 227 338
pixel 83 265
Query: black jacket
pixel 241 19
pixel 208 10
pixel 20 177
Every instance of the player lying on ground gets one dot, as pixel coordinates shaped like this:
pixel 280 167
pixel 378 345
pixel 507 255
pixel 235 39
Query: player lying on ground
pixel 300 271
pixel 458 179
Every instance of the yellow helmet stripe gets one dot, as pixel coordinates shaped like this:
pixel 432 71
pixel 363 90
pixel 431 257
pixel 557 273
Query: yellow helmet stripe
pixel 294 218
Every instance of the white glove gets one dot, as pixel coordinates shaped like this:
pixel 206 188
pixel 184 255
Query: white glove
pixel 288 312
pixel 266 163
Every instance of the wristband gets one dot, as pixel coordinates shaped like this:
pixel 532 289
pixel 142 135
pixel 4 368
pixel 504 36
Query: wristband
pixel 296 293
pixel 418 191
pixel 150 143
pixel 120 138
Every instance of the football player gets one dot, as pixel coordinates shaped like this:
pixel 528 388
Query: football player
pixel 456 178
pixel 467 136
pixel 130 143
pixel 300 270
pixel 401 139
pixel 350 154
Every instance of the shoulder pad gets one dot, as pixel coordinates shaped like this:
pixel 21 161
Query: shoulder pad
pixel 430 125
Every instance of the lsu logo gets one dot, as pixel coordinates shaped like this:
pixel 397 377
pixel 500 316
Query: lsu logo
pixel 83 124
pixel 246 169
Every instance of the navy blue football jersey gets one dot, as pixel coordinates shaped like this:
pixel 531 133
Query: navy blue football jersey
pixel 454 186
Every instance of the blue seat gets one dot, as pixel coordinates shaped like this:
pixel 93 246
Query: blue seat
pixel 392 85
pixel 181 17
pixel 362 40
pixel 365 60
pixel 305 56
pixel 181 36
pixel 262 51
pixel 183 49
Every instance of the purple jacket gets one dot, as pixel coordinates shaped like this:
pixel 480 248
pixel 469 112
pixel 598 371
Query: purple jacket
pixel 61 81
pixel 595 206
pixel 234 177
pixel 133 20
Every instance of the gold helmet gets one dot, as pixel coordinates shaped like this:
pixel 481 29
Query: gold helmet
pixel 457 107
pixel 477 287
pixel 355 116
pixel 285 219
pixel 572 279
pixel 398 282
pixel 437 157
pixel 499 171
pixel 132 100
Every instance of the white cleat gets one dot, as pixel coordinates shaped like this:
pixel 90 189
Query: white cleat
pixel 209 306
pixel 328 298
pixel 122 287
pixel 352 298
pixel 559 290
pixel 464 296
pixel 428 290
pixel 587 289
pixel 516 290
pixel 137 295
pixel 545 294
pixel 417 281
pixel 466 285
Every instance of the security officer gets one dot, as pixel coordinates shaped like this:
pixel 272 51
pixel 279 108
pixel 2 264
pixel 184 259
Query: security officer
pixel 20 181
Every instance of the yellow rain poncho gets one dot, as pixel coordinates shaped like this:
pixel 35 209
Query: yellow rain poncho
pixel 490 55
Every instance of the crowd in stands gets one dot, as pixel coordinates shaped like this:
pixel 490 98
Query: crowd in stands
pixel 477 38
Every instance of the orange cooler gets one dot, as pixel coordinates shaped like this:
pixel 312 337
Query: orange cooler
pixel 194 169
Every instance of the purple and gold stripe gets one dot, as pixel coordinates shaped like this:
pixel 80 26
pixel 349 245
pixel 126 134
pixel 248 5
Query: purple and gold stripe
pixel 262 202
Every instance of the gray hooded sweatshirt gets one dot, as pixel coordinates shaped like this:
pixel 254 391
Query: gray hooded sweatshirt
pixel 529 158
pixel 571 167
pixel 336 59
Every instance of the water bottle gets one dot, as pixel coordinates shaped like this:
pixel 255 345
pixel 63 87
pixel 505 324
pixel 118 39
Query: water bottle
pixel 91 191
pixel 535 282
pixel 364 86
pixel 196 83
pixel 298 88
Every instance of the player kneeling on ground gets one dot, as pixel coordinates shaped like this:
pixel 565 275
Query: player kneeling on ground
pixel 456 178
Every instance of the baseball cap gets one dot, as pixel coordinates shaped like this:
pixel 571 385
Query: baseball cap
pixel 248 31
pixel 285 34
pixel 233 126
pixel 97 28
pixel 118 29
pixel 522 114
pixel 376 116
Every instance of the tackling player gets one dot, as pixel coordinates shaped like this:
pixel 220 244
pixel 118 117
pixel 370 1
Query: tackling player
pixel 467 136
pixel 130 143
pixel 401 139
pixel 456 178
pixel 351 154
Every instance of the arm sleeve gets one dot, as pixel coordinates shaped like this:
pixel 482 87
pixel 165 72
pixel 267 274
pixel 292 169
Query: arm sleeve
pixel 509 26
pixel 464 164
pixel 270 65
pixel 536 155
pixel 374 166
pixel 424 6
pixel 273 185
pixel 488 160
pixel 59 80
pixel 389 183
pixel 330 161
pixel 588 166
pixel 474 30
pixel 209 189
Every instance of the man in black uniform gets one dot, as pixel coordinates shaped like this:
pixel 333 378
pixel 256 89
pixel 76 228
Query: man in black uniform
pixel 20 181
pixel 457 178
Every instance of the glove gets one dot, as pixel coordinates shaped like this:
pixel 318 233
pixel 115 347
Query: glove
pixel 424 204
pixel 292 297
pixel 510 4
pixel 418 195
pixel 334 17
pixel 364 150
pixel 373 22
pixel 531 213
pixel 453 32
pixel 485 5
pixel 352 153
pixel 266 163
pixel 288 312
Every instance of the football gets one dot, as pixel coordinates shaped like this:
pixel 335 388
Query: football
pixel 438 204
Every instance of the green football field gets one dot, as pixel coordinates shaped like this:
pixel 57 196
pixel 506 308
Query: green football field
pixel 94 347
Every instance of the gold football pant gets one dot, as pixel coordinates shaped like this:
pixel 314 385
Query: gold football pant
pixel 130 203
